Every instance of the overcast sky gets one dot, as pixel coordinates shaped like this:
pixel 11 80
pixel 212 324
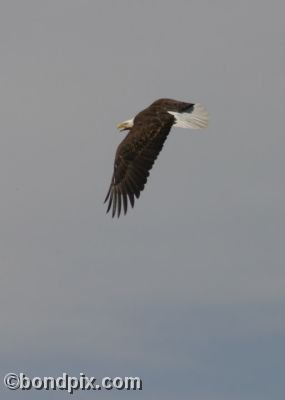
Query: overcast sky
pixel 188 290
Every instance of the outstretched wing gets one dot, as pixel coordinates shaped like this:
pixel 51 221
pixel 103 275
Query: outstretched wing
pixel 134 159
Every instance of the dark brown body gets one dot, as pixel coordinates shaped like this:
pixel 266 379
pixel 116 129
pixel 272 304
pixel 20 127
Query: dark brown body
pixel 137 153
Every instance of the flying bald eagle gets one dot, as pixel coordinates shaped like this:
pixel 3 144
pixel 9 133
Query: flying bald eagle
pixel 138 151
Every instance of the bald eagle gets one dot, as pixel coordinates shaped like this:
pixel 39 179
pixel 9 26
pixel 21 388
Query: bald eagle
pixel 138 151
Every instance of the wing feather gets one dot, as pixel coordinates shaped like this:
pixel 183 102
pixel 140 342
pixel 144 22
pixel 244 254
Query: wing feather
pixel 134 159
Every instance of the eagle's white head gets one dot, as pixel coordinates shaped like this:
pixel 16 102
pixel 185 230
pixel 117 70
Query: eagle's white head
pixel 125 125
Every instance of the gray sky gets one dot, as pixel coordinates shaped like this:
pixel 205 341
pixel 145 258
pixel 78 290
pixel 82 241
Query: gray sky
pixel 187 290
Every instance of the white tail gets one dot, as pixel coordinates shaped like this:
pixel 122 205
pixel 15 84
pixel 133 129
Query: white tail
pixel 195 119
